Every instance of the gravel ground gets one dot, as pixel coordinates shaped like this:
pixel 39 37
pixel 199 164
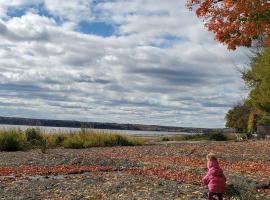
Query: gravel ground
pixel 142 172
pixel 98 185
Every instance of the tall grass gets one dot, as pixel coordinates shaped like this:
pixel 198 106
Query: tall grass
pixel 11 140
pixel 199 137
pixel 16 139
pixel 89 138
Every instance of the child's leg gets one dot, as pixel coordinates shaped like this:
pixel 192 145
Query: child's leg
pixel 219 196
pixel 210 196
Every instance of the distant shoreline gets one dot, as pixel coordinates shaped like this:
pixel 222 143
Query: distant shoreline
pixel 99 125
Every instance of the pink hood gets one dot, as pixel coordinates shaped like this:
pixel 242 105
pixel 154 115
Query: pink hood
pixel 215 178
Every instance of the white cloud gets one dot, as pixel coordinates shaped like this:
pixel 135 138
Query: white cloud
pixel 51 70
pixel 73 10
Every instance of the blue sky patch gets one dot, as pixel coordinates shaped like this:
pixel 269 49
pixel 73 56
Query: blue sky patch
pixel 172 38
pixel 17 12
pixel 167 41
pixel 43 12
pixel 40 9
pixel 96 28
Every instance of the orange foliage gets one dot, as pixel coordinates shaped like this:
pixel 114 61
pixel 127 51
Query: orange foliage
pixel 235 23
pixel 52 170
pixel 185 163
pixel 187 177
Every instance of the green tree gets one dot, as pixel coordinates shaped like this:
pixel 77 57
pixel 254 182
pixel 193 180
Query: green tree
pixel 238 117
pixel 258 79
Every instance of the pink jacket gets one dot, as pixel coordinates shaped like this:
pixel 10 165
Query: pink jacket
pixel 215 178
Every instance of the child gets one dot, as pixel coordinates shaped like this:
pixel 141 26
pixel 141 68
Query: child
pixel 214 179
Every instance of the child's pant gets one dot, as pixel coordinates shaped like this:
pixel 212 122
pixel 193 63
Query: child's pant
pixel 211 194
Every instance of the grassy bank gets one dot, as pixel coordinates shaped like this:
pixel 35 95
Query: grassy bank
pixel 200 137
pixel 16 139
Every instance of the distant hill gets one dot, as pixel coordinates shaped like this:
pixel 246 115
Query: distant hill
pixel 99 125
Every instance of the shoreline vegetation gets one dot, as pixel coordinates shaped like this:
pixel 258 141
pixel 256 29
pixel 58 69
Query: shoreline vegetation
pixel 15 139
pixel 32 138
pixel 214 136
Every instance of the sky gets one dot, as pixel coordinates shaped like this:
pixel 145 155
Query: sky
pixel 123 61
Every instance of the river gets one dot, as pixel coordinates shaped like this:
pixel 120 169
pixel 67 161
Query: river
pixel 49 129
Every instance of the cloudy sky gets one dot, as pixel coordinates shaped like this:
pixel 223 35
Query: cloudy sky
pixel 125 61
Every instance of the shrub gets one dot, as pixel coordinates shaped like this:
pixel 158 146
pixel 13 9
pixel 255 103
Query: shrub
pixel 217 137
pixel 33 136
pixel 122 141
pixel 43 146
pixel 74 141
pixel 11 141
pixel 165 139
pixel 56 139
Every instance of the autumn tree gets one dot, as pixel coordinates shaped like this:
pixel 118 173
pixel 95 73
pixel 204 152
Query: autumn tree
pixel 237 117
pixel 236 22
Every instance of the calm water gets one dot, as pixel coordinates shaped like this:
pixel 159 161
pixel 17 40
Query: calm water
pixel 64 129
